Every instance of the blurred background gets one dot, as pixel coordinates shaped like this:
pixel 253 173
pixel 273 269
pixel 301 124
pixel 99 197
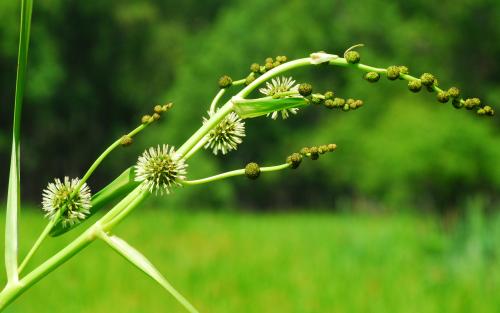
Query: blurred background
pixel 401 218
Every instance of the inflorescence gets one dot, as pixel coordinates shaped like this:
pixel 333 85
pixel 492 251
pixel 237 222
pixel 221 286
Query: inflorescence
pixel 62 200
pixel 227 135
pixel 159 170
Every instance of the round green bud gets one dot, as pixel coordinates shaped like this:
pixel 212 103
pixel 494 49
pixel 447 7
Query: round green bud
pixel 262 69
pixel 252 170
pixel 294 160
pixel 352 103
pixel 457 104
pixel 339 102
pixel 415 85
pixel 352 57
pixel 269 60
pixel 145 119
pixel 454 92
pixel 126 141
pixel 442 97
pixel 316 100
pixel 156 116
pixel 314 153
pixel 428 79
pixel 225 81
pixel 481 111
pixel 330 104
pixel 255 68
pixel 305 89
pixel 304 151
pixel 249 79
pixel 158 109
pixel 372 77
pixel 358 103
pixel 268 66
pixel 332 147
pixel 346 107
pixel 323 149
pixel 472 103
pixel 393 72
pixel 167 106
pixel 281 58
pixel 276 63
pixel 329 95
pixel 488 110
pixel 403 69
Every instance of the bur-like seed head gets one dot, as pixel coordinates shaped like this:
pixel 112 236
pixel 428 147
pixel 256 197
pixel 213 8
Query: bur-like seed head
pixel 294 160
pixel 314 153
pixel 126 141
pixel 330 103
pixel 156 116
pixel 472 103
pixel 249 79
pixel 403 69
pixel 372 77
pixel 145 119
pixel 158 109
pixel 332 147
pixel 305 151
pixel 159 170
pixel 442 97
pixel 305 89
pixel 329 95
pixel 57 197
pixel 269 66
pixel 428 79
pixel 393 72
pixel 415 85
pixel 454 92
pixel 255 67
pixel 339 102
pixel 225 81
pixel 269 60
pixel 252 170
pixel 227 135
pixel 352 57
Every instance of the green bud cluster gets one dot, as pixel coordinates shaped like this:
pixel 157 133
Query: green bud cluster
pixel 269 64
pixel 486 110
pixel 158 110
pixel 443 96
pixel 393 72
pixel 252 170
pixel 415 85
pixel 315 151
pixel 294 160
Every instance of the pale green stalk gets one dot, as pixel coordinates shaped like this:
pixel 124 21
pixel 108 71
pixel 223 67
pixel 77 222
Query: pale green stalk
pixel 219 95
pixel 233 173
pixel 14 191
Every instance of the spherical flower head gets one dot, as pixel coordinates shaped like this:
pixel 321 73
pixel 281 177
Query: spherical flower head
pixel 58 196
pixel 442 97
pixel 275 87
pixel 159 169
pixel 225 81
pixel 372 77
pixel 252 170
pixel 352 57
pixel 415 85
pixel 227 135
pixel 393 72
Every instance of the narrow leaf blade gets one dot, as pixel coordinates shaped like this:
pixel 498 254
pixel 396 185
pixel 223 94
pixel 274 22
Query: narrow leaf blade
pixel 141 262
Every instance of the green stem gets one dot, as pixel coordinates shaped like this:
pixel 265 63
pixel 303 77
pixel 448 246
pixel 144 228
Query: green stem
pixel 38 242
pixel 14 190
pixel 103 155
pixel 219 95
pixel 233 173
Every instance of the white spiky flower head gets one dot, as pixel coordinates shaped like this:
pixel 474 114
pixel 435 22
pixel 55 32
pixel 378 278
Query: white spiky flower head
pixel 276 86
pixel 159 169
pixel 58 196
pixel 227 135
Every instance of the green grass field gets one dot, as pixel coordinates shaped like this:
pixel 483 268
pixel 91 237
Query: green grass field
pixel 227 262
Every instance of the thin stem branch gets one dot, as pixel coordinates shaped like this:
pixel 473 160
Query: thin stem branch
pixel 233 173
pixel 216 99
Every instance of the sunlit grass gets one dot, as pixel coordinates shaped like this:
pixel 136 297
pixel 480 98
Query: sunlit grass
pixel 274 263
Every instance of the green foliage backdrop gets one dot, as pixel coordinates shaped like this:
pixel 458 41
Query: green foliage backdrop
pixel 96 66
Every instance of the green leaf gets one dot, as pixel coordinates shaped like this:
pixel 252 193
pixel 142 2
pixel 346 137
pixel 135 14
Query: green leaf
pixel 118 188
pixel 14 192
pixel 258 107
pixel 142 263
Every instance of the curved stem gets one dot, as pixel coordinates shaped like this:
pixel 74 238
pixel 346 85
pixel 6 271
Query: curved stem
pixel 219 95
pixel 233 173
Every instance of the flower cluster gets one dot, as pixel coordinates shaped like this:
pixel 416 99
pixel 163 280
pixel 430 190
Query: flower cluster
pixel 281 87
pixel 65 200
pixel 159 169
pixel 158 110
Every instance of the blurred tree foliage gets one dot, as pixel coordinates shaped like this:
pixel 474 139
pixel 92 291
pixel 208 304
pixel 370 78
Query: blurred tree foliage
pixel 95 66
